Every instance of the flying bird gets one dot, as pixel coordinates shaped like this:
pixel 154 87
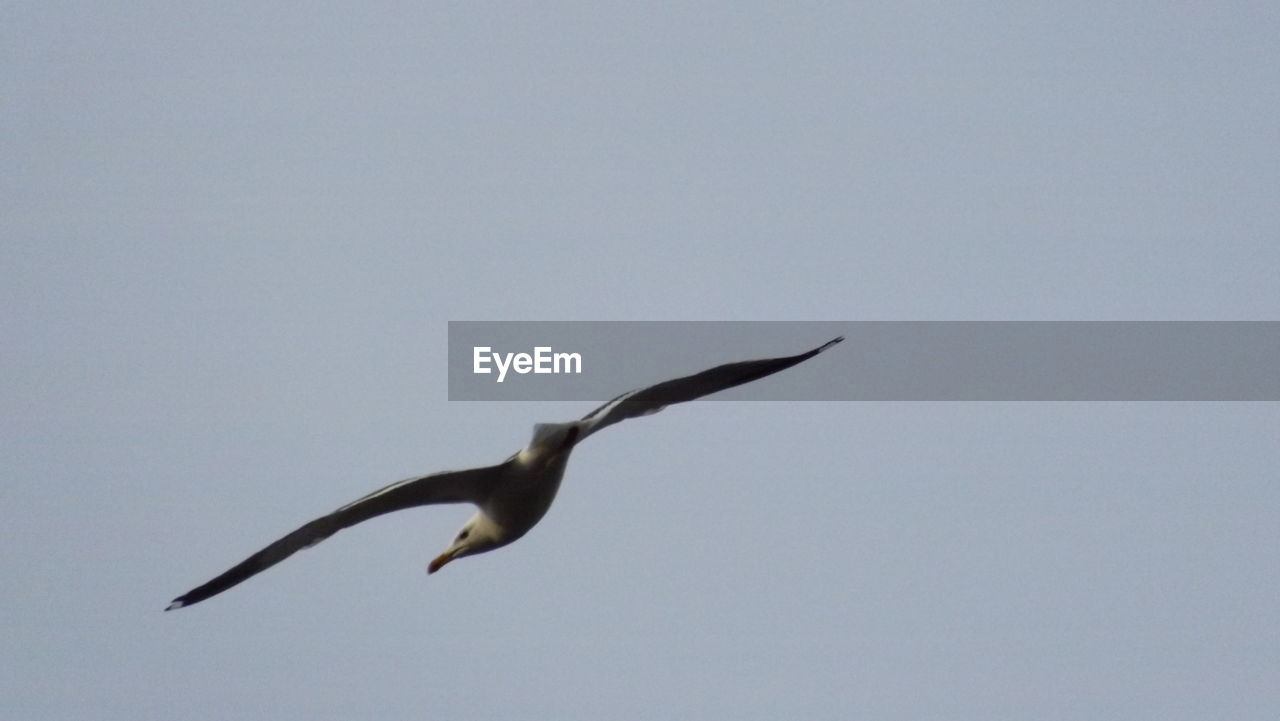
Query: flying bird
pixel 511 497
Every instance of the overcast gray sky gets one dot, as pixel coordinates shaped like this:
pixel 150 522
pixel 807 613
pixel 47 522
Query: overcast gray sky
pixel 233 234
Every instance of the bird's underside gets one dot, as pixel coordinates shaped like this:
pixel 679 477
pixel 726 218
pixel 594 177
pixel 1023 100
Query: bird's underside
pixel 512 496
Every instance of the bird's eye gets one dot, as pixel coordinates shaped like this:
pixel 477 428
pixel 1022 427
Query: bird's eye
pixel 463 536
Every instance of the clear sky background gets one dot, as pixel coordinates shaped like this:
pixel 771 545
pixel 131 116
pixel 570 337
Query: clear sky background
pixel 233 233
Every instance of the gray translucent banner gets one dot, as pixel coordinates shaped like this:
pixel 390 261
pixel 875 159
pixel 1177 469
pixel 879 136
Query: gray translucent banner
pixel 878 361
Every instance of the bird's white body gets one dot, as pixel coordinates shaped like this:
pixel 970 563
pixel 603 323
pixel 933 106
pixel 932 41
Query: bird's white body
pixel 529 485
pixel 533 480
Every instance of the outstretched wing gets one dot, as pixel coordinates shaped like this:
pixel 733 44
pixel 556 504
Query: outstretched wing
pixel 644 401
pixel 470 485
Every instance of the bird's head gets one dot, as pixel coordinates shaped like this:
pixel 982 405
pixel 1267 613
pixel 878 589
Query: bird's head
pixel 477 535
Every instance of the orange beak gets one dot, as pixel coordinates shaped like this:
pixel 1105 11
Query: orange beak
pixel 438 562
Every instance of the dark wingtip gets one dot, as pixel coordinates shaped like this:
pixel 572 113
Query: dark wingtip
pixel 177 603
pixel 830 343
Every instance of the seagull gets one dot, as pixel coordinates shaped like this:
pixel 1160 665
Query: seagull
pixel 511 497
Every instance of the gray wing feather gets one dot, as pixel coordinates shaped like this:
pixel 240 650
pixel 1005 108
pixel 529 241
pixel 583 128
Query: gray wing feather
pixel 469 486
pixel 645 401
